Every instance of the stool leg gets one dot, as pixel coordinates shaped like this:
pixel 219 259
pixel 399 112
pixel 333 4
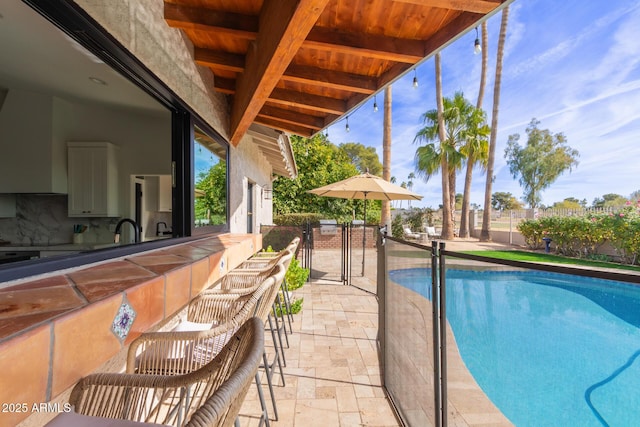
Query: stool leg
pixel 269 371
pixel 287 303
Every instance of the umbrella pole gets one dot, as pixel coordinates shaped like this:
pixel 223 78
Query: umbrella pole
pixel 364 232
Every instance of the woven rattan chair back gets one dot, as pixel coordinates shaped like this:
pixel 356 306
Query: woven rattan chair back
pixel 174 399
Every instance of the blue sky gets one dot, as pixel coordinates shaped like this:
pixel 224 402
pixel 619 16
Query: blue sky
pixel 573 65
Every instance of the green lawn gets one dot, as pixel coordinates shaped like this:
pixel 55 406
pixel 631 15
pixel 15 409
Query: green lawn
pixel 555 259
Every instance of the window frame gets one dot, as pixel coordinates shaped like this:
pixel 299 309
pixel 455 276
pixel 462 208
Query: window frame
pixel 77 24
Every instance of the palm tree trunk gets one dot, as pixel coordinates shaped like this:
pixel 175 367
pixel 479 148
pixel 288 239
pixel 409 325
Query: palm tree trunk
pixel 464 215
pixel 485 235
pixel 385 219
pixel 447 224
pixel 464 219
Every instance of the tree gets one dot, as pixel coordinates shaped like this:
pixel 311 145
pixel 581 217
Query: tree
pixel 319 163
pixel 403 185
pixel 444 149
pixel 385 219
pixel 485 234
pixel 211 203
pixel 504 201
pixel 410 179
pixel 364 158
pixel 568 203
pixel 477 151
pixel 610 200
pixel 540 162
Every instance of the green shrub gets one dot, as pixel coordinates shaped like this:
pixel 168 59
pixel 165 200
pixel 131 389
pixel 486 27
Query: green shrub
pixel 397 230
pixel 296 276
pixel 278 237
pixel 581 236
pixel 297 219
pixel 296 306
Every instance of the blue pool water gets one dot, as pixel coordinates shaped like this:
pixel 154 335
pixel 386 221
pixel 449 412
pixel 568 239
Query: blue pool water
pixel 548 349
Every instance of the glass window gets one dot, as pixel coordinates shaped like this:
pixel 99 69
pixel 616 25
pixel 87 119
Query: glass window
pixel 210 181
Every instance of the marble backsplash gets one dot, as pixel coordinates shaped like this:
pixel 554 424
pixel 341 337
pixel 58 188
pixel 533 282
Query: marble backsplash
pixel 41 219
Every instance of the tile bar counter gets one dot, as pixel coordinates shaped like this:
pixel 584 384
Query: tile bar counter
pixel 56 329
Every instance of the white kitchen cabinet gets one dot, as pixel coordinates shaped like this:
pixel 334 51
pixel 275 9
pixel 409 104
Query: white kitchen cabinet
pixel 165 190
pixel 93 179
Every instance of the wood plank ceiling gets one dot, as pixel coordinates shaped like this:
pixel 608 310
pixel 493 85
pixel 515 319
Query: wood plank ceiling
pixel 299 65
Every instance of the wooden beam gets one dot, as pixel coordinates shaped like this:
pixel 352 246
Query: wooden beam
pixel 439 39
pixel 246 27
pixel 308 101
pixel 203 19
pixel 283 126
pixel 292 117
pixel 284 25
pixel 330 79
pixel 294 73
pixel 369 45
pixel 224 85
pixel 219 60
pixel 475 6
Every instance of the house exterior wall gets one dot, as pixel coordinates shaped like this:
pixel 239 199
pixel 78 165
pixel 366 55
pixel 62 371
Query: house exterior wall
pixel 248 164
pixel 140 27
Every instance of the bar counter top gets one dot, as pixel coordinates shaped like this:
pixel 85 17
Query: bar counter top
pixel 58 328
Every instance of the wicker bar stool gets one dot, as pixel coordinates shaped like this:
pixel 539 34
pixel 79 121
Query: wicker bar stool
pixel 211 319
pixel 208 396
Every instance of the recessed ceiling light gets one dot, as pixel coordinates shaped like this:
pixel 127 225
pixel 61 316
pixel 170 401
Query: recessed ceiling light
pixel 98 81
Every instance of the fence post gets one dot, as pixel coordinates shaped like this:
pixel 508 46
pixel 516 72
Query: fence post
pixel 435 310
pixel 443 334
pixel 381 294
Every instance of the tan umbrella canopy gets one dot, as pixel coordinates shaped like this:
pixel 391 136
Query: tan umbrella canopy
pixel 367 187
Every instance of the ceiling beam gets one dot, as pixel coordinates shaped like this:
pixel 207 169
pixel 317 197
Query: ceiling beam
pixel 475 6
pixel 292 117
pixel 203 19
pixel 308 101
pixel 294 73
pixel 284 24
pixel 246 27
pixel 219 60
pixel 439 39
pixel 369 45
pixel 287 127
pixel 329 78
pixel 224 85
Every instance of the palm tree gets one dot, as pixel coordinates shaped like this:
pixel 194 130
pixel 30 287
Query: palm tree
pixel 410 185
pixel 393 181
pixel 461 125
pixel 484 154
pixel 476 150
pixel 485 234
pixel 403 185
pixel 385 219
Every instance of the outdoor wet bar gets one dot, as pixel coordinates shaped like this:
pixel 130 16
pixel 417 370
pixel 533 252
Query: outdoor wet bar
pixel 57 328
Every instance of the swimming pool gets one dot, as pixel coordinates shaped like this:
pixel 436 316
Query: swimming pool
pixel 547 349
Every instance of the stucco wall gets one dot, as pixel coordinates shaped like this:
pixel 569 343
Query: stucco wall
pixel 140 26
pixel 248 164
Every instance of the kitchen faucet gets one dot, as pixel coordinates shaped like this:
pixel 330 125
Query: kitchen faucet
pixel 164 230
pixel 136 229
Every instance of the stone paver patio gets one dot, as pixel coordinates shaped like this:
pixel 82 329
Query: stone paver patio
pixel 333 375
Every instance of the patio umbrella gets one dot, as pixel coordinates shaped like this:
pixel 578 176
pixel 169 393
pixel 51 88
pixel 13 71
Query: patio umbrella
pixel 365 187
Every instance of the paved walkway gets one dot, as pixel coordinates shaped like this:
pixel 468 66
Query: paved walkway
pixel 332 375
